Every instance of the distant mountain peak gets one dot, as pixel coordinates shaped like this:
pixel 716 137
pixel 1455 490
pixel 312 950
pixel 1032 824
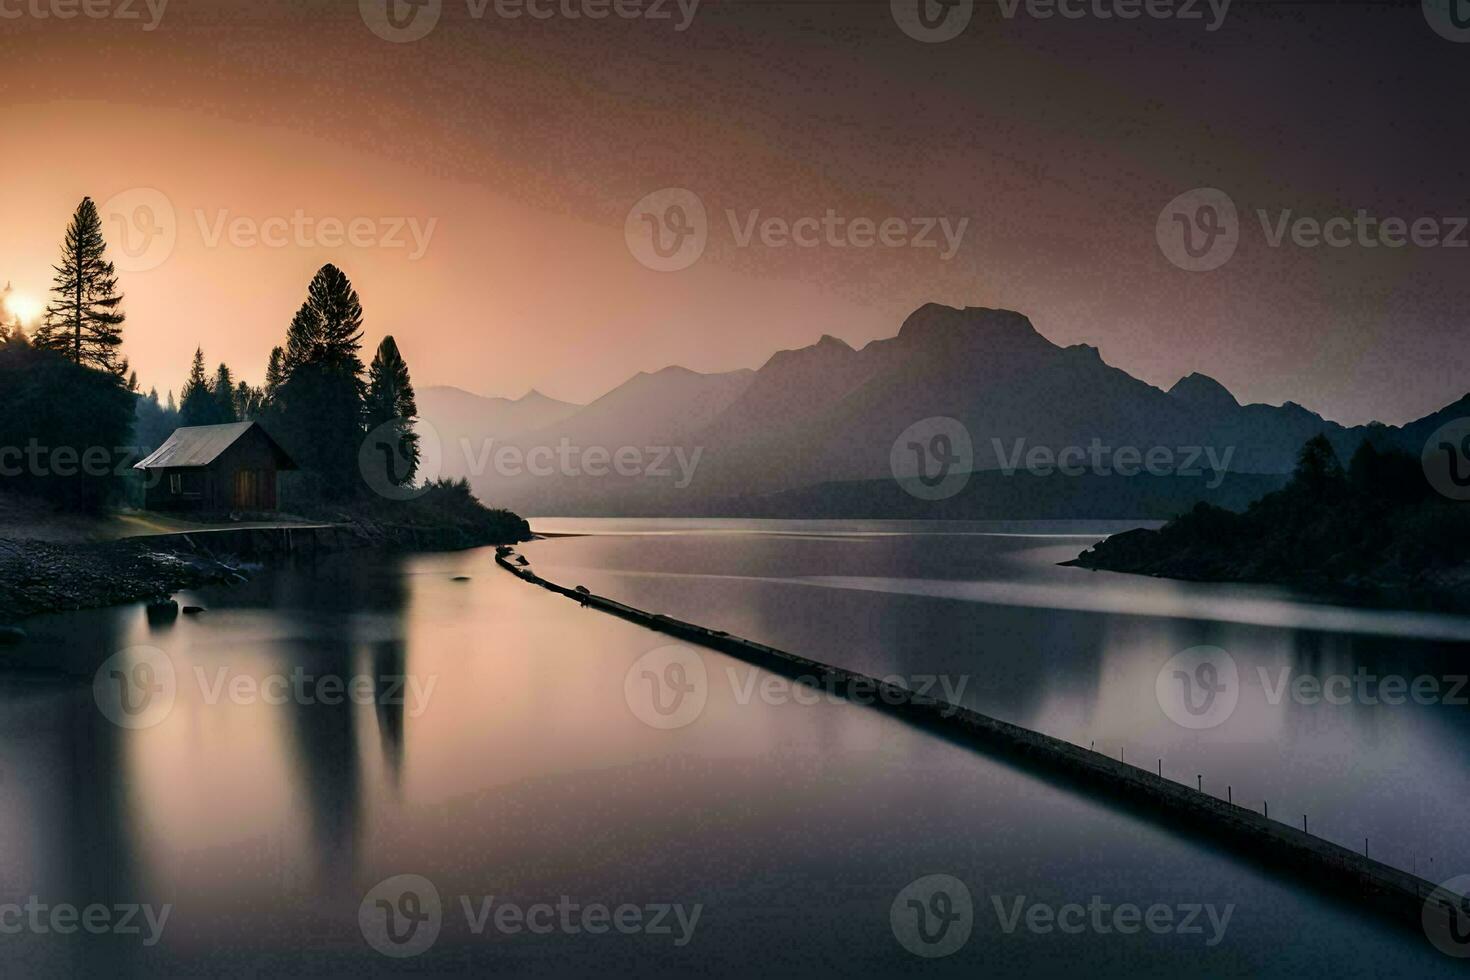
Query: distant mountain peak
pixel 934 322
pixel 827 340
pixel 1203 391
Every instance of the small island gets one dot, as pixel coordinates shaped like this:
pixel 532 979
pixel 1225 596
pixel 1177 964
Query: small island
pixel 1375 529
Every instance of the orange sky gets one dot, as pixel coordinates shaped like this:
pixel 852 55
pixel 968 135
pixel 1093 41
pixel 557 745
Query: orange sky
pixel 522 145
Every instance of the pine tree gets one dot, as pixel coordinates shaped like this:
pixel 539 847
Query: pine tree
pixel 84 320
pixel 223 392
pixel 318 404
pixel 249 402
pixel 390 401
pixel 171 406
pixel 133 381
pixel 196 404
pixel 274 375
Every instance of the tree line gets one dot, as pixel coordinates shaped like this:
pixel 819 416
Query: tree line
pixel 70 385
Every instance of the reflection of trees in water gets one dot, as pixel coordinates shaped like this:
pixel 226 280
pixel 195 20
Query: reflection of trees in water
pixel 78 796
pixel 323 737
pixel 391 689
pixel 324 754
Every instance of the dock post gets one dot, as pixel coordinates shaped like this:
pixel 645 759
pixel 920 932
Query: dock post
pixel 1266 809
pixel 1304 823
pixel 1161 768
pixel 1199 781
pixel 1230 795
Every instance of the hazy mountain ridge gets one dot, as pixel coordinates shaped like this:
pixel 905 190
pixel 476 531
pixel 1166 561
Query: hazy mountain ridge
pixel 828 415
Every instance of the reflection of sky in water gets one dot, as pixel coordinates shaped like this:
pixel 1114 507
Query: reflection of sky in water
pixel 1076 654
pixel 526 776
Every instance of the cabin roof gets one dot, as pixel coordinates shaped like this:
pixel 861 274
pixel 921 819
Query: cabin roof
pixel 201 445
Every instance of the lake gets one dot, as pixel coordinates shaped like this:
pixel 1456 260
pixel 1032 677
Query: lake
pixel 365 767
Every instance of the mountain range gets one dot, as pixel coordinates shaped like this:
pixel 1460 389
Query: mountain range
pixel 809 434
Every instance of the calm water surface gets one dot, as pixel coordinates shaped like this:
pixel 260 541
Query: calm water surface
pixel 516 767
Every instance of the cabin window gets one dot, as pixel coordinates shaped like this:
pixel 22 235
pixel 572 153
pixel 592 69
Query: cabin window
pixel 175 483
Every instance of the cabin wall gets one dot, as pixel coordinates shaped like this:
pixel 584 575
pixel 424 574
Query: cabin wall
pixel 243 477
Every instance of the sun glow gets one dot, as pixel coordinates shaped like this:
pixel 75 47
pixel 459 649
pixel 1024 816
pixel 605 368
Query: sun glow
pixel 27 308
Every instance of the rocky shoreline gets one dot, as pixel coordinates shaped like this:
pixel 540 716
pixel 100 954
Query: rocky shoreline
pixel 42 576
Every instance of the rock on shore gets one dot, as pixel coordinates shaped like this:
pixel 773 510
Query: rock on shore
pixel 39 576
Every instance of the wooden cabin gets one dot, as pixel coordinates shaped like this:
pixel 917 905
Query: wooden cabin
pixel 215 469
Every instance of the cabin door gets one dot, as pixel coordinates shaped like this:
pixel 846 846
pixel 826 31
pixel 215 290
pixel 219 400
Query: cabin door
pixel 249 490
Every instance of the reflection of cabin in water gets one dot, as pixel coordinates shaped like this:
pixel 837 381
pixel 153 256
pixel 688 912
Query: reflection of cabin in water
pixel 215 468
